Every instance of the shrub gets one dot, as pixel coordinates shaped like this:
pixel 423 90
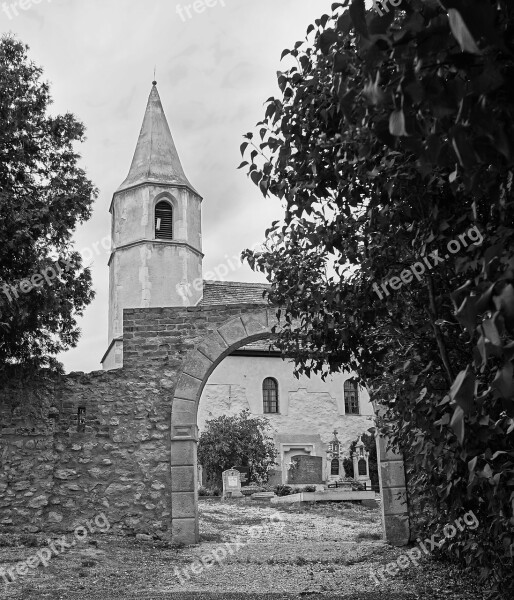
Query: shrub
pixel 283 490
pixel 237 440
pixel 209 491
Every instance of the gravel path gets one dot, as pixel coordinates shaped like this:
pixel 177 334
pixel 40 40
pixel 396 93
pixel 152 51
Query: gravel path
pixel 248 550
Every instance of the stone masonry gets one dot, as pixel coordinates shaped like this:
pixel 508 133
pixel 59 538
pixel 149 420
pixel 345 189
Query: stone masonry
pixel 134 457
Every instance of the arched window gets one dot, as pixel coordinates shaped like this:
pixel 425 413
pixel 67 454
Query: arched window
pixel 164 221
pixel 270 395
pixel 351 398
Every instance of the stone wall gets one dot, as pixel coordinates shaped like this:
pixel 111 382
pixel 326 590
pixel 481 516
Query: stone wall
pixel 54 477
pixel 135 461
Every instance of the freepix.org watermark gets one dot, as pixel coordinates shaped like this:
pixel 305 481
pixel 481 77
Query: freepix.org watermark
pixel 222 552
pixel 382 6
pixel 426 546
pixel 198 7
pixel 54 548
pixel 418 269
pixel 231 264
pixel 48 275
pixel 11 8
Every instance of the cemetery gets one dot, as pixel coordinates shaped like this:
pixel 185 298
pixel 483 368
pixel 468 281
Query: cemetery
pixel 306 482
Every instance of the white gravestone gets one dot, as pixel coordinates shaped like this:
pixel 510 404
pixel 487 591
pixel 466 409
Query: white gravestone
pixel 232 484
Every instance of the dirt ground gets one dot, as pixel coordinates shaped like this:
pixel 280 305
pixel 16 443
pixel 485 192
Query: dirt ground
pixel 248 550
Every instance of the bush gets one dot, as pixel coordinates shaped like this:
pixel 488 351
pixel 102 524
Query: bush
pixel 209 492
pixel 309 488
pixel 283 490
pixel 237 440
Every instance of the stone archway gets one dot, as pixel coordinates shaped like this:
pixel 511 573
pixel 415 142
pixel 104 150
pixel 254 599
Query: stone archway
pixel 198 365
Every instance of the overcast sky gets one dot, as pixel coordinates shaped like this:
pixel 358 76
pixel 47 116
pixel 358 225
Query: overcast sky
pixel 214 71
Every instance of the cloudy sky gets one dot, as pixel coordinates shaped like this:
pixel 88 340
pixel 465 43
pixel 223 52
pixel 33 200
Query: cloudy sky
pixel 214 72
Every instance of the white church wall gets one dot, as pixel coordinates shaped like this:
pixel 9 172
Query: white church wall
pixel 309 409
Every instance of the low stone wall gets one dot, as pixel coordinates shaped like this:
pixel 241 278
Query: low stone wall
pixel 54 477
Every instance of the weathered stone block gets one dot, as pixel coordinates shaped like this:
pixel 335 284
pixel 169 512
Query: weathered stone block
pixel 38 502
pixel 21 486
pixel 182 453
pixel 392 474
pixel 255 323
pixel 183 479
pixel 233 332
pixel 397 530
pixel 184 431
pixel 213 346
pixel 394 501
pixel 197 365
pixel 65 474
pixel 184 531
pixel 184 411
pixel 117 488
pixel 54 517
pixel 183 505
pixel 188 388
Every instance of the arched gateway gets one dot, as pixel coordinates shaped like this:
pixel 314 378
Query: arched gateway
pixel 197 366
pixel 168 330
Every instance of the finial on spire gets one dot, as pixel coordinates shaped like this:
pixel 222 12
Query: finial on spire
pixel 154 82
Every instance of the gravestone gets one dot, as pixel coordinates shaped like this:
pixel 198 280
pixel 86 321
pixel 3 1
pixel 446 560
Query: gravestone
pixel 305 470
pixel 245 475
pixel 232 484
pixel 361 464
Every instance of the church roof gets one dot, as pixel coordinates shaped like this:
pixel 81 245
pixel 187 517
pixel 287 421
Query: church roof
pixel 233 292
pixel 236 292
pixel 156 158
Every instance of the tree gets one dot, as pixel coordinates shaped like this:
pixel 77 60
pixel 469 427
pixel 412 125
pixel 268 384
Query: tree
pixel 44 194
pixel 240 440
pixel 391 152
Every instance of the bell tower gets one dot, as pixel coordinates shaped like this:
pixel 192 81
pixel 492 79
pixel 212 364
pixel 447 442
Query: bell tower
pixel 156 256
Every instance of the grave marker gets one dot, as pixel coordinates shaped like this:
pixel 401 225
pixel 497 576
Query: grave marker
pixel 232 484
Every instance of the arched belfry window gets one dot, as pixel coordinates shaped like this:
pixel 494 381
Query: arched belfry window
pixel 351 398
pixel 270 395
pixel 164 221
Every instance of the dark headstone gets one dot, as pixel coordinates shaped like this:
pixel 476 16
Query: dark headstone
pixel 245 474
pixel 305 470
pixel 363 467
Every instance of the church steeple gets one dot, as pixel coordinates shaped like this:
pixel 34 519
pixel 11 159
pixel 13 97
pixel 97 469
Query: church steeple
pixel 156 158
pixel 156 260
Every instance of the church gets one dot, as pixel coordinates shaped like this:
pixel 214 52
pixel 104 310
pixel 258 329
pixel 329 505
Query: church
pixel 156 262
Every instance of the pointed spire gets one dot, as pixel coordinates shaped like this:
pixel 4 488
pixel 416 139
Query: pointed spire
pixel 156 158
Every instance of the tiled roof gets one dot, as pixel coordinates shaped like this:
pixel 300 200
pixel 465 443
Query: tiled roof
pixel 232 292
